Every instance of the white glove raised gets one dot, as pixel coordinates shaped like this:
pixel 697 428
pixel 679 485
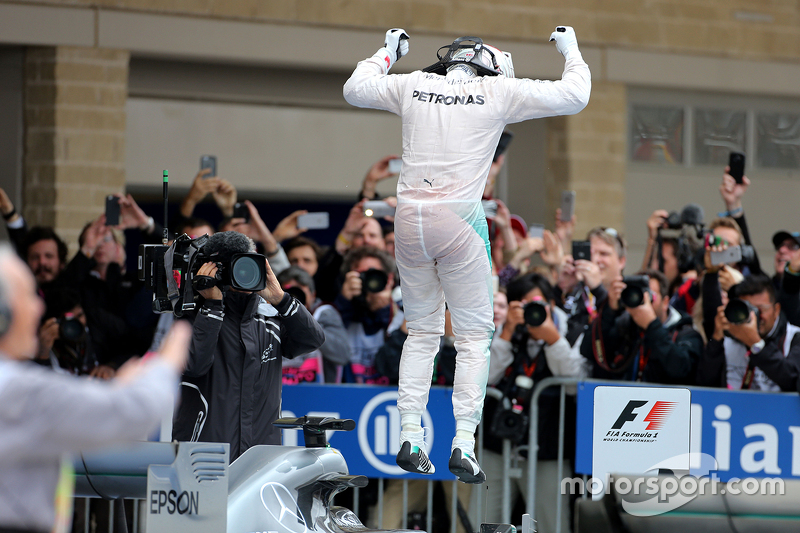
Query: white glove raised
pixel 566 42
pixel 396 43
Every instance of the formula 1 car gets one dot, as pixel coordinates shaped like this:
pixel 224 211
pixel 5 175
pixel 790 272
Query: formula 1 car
pixel 190 487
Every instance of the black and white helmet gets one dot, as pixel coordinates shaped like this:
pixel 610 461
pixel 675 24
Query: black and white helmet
pixel 486 60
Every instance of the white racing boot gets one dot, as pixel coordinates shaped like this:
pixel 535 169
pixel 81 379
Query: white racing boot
pixel 412 456
pixel 463 463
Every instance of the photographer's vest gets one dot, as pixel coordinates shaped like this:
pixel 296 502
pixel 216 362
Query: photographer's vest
pixel 739 375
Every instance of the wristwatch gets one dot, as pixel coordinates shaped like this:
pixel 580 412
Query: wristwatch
pixel 757 347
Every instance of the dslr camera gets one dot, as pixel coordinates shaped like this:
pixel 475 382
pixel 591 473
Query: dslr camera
pixel 512 422
pixel 738 311
pixel 171 271
pixel 373 280
pixel 70 328
pixel 633 294
pixel 535 313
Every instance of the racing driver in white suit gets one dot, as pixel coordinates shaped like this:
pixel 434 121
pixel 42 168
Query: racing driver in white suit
pixel 453 114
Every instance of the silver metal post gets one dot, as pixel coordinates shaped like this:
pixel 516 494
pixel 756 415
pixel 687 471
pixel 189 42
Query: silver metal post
pixel 506 511
pixel 380 503
pixel 561 407
pixel 404 514
pixel 429 511
pixel 454 508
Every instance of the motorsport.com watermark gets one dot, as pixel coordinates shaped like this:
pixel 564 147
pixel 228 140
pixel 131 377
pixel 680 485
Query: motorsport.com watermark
pixel 651 495
pixel 666 487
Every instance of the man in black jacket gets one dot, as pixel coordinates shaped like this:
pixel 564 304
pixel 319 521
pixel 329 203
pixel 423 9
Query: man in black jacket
pixel 651 342
pixel 232 383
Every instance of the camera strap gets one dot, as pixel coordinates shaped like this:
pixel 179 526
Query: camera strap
pixel 747 379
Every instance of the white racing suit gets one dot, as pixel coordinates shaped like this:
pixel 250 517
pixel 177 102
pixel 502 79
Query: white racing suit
pixel 451 128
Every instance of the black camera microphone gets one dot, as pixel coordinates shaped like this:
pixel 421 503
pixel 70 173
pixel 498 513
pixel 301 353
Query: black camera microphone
pixel 692 215
pixel 223 245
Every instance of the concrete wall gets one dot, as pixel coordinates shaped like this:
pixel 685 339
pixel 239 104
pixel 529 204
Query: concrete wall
pixel 737 48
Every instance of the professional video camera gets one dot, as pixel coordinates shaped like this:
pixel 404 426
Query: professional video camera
pixel 170 271
pixel 686 231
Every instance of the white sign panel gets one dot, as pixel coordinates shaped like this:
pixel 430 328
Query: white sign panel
pixel 639 430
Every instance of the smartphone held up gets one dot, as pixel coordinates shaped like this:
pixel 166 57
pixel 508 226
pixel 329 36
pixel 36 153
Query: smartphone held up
pixel 736 164
pixel 209 162
pixel 112 210
pixel 378 209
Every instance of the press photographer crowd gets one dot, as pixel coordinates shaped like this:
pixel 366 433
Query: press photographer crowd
pixel 698 311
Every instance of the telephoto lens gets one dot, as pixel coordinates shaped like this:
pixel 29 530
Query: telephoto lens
pixel 535 313
pixel 633 294
pixel 374 280
pixel 738 311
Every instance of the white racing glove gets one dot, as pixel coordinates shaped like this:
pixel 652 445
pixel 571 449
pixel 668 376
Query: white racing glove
pixel 396 45
pixel 566 42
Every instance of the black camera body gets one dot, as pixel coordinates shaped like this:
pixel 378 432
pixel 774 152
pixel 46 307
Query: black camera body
pixel 511 424
pixel 535 313
pixel 70 328
pixel 170 272
pixel 373 280
pixel 633 294
pixel 738 311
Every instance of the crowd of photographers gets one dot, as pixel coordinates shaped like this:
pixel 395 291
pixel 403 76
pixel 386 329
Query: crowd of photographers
pixel 698 311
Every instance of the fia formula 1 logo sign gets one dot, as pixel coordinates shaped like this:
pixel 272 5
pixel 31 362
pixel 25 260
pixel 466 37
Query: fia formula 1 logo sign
pixel 644 423
pixel 379 432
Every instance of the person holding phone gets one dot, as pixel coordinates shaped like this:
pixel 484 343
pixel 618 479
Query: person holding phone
pixel 453 115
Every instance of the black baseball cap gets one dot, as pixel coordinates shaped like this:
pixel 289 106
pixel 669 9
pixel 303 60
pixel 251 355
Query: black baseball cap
pixel 782 235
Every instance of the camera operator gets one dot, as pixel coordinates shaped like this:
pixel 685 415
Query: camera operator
pixel 524 354
pixel 325 364
pixel 232 386
pixel 365 302
pixel 673 241
pixel 638 336
pixel 753 345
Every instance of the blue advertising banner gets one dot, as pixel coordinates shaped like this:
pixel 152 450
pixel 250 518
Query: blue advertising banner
pixel 750 434
pixel 371 448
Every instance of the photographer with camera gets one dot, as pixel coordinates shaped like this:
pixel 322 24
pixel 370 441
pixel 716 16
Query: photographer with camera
pixel 367 308
pixel 638 336
pixel 753 346
pixel 232 383
pixel 673 242
pixel 64 341
pixel 531 347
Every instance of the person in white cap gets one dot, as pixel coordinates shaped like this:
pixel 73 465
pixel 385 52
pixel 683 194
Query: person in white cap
pixel 453 114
